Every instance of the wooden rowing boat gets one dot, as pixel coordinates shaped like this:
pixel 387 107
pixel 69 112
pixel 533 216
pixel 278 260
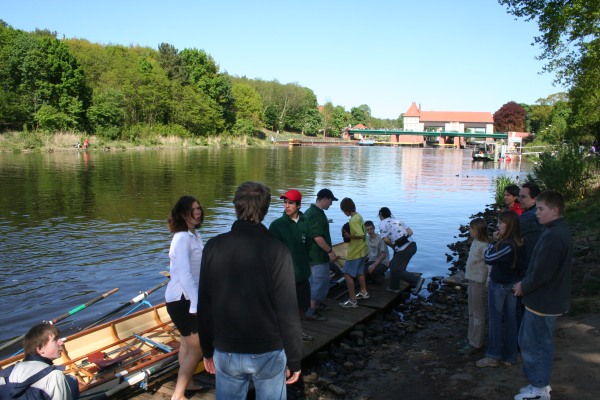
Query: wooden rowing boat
pixel 120 353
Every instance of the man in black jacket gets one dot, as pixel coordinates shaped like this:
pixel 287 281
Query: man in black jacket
pixel 546 291
pixel 247 309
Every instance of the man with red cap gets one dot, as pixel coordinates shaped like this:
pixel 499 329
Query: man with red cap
pixel 291 228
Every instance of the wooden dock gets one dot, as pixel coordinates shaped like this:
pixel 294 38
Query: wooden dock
pixel 339 322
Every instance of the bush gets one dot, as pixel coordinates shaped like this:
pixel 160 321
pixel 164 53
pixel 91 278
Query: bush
pixel 567 171
pixel 501 182
pixel 108 132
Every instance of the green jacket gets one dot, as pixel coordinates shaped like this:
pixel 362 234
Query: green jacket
pixel 317 226
pixel 293 235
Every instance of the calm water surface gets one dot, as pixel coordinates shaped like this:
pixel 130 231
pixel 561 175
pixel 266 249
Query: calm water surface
pixel 75 225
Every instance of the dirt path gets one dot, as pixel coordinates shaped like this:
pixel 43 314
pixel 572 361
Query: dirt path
pixel 417 357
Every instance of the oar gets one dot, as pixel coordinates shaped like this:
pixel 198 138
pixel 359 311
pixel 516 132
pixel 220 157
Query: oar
pixel 140 377
pixel 60 318
pixel 136 299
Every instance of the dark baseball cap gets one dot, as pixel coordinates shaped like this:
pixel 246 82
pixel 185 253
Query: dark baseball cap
pixel 326 194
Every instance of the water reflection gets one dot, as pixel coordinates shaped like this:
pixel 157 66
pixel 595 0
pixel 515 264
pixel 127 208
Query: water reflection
pixel 74 225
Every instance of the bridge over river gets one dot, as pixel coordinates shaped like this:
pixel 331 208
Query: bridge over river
pixel 414 137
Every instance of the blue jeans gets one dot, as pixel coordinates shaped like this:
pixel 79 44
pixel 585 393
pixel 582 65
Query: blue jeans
pixel 502 306
pixel 235 370
pixel 319 281
pixel 537 347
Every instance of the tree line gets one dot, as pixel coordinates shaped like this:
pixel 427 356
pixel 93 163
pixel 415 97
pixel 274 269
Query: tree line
pixel 127 92
pixel 118 92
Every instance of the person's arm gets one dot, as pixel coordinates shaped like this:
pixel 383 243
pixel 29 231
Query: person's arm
pixel 181 269
pixel 205 317
pixel 542 269
pixel 286 308
pixel 320 241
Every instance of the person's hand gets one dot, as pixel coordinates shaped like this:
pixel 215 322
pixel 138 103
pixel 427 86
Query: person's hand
pixel 291 378
pixel 517 289
pixel 209 365
pixel 332 256
pixel 495 235
pixel 371 268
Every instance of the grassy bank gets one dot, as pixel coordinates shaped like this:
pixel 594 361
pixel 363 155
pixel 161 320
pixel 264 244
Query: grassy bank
pixel 16 142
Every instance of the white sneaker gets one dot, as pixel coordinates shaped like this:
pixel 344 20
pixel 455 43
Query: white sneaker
pixel 349 304
pixel 528 387
pixel 361 295
pixel 533 393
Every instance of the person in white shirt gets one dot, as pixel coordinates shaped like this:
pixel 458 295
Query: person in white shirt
pixel 182 291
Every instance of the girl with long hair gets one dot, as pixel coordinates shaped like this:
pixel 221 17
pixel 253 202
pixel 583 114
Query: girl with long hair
pixel 505 257
pixel 182 291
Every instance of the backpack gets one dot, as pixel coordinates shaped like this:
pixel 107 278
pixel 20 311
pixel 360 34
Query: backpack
pixel 22 390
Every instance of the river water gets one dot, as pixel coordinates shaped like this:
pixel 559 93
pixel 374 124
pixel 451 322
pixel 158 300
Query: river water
pixel 74 225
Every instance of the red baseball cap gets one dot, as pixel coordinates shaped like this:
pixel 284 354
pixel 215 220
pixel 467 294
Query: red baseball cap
pixel 293 195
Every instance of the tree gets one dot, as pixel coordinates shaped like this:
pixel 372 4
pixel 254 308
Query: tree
pixel 204 73
pixel 570 31
pixel 170 60
pixel 510 118
pixel 360 115
pixel 570 43
pixel 247 103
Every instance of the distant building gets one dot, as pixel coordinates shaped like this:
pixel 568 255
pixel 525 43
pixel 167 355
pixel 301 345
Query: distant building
pixel 447 121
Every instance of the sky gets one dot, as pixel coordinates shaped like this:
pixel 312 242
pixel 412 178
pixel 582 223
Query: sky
pixel 444 55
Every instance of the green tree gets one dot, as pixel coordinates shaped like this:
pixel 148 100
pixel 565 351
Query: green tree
pixel 360 115
pixel 203 72
pixel 171 61
pixel 247 103
pixel 107 110
pixel 570 44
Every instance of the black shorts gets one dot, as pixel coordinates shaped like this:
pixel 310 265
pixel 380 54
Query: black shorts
pixel 179 311
pixel 303 295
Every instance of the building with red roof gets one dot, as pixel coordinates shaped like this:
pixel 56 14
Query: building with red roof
pixel 447 121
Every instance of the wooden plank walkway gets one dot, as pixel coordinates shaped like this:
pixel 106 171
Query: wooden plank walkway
pixel 339 321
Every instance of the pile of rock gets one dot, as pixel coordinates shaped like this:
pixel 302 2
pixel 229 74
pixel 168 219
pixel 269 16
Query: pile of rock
pixel 372 350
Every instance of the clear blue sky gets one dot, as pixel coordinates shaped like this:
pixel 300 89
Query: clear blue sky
pixel 447 55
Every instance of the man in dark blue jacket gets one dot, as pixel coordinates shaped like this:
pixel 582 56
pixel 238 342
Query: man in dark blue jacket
pixel 248 318
pixel 546 291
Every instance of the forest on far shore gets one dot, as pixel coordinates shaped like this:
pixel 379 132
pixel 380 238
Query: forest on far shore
pixel 134 93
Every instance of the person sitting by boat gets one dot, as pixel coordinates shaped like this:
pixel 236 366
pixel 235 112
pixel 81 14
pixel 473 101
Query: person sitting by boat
pixel 378 260
pixel 182 292
pixel 511 199
pixel 399 237
pixel 36 377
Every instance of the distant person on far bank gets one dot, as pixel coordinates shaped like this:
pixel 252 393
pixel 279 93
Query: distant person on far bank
pixel 320 251
pixel 378 260
pixel 511 199
pixel 477 272
pixel 398 236
pixel 248 318
pixel 546 292
pixel 36 375
pixel 354 267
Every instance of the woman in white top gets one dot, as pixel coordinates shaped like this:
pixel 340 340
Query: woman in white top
pixel 182 292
